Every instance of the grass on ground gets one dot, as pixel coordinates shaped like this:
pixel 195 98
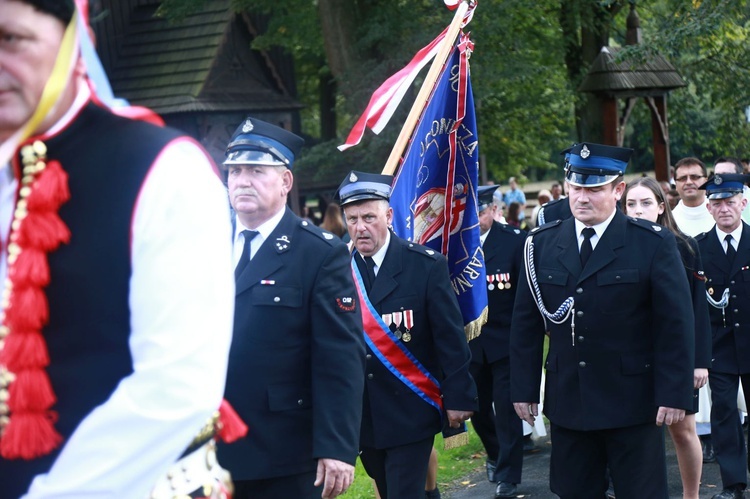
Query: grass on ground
pixel 453 464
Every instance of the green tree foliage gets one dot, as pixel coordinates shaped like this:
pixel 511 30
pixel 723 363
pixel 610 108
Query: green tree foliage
pixel 528 61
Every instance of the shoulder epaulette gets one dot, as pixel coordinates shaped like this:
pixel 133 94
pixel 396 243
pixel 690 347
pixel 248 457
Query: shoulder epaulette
pixel 320 233
pixel 512 229
pixel 546 226
pixel 652 227
pixel 423 250
pixel 701 236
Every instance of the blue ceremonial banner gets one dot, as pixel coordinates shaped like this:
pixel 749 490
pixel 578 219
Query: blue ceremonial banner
pixel 434 196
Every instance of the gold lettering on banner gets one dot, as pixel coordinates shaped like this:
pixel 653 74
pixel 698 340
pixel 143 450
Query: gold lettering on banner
pixel 464 281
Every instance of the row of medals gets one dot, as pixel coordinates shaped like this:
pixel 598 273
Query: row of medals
pixel 395 319
pixel 503 281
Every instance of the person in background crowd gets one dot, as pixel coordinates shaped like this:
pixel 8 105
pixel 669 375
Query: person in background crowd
pixel 514 194
pixel 644 198
pixel 556 209
pixel 665 187
pixel 116 313
pixel 726 256
pixel 746 165
pixel 296 366
pixel 673 197
pixel 691 214
pixel 408 305
pixel 333 222
pixel 514 216
pixel 621 336
pixel 556 191
pixel 496 422
pixel 542 198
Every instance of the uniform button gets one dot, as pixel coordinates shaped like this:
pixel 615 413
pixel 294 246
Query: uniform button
pixel 299 402
pixel 579 313
pixel 582 364
pixel 579 290
pixel 734 297
pixel 735 310
pixel 581 338
pixel 370 376
pixel 549 277
pixel 3 395
pixel 736 324
pixel 3 409
pixel 731 282
pixel 276 299
pixel 617 278
pixel 368 356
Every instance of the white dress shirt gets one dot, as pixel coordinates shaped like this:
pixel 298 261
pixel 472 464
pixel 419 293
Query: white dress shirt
pixel 736 234
pixel 598 229
pixel 181 302
pixel 264 230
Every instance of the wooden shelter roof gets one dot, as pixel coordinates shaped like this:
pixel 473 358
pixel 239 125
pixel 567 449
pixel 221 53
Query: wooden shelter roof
pixel 656 76
pixel 200 63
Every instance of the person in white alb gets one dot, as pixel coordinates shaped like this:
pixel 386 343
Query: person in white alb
pixel 691 213
pixel 116 263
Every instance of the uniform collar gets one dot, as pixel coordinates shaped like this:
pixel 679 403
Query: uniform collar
pixel 264 230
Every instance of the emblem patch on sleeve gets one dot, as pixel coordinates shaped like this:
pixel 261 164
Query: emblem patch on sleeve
pixel 346 304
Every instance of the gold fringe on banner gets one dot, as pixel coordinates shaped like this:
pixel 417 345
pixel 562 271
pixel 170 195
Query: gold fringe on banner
pixel 474 328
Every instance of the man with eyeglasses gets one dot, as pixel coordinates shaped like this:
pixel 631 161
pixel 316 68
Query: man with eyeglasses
pixel 691 214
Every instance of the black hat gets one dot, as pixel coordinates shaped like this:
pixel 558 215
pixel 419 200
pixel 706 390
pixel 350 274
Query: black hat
pixel 724 185
pixel 360 186
pixel 256 142
pixel 61 9
pixel 485 196
pixel 592 165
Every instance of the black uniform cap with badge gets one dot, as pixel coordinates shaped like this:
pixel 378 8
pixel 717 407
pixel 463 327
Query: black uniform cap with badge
pixel 256 142
pixel 725 185
pixel 61 9
pixel 361 186
pixel 485 197
pixel 593 165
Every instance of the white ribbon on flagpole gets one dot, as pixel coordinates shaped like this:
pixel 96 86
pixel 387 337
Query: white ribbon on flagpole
pixel 388 96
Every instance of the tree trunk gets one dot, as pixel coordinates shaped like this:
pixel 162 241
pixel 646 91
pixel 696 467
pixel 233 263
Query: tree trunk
pixel 338 21
pixel 327 89
pixel 589 22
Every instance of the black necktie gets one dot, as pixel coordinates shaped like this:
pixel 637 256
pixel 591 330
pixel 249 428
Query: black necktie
pixel 245 258
pixel 731 252
pixel 370 271
pixel 586 248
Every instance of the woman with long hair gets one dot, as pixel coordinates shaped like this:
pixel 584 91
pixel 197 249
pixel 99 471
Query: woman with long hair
pixel 644 198
pixel 333 221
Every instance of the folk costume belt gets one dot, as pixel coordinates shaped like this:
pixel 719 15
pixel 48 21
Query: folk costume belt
pixel 392 353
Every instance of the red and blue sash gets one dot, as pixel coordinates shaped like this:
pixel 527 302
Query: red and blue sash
pixel 392 353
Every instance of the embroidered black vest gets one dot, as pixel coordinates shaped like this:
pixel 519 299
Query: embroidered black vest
pixel 107 159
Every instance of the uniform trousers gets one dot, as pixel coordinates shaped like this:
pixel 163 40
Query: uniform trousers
pixel 634 454
pixel 399 472
pixel 499 428
pixel 726 429
pixel 297 486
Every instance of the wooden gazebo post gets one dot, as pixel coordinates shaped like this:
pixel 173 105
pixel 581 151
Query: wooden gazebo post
pixel 652 80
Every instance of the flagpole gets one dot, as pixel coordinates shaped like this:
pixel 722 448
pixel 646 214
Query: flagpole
pixel 424 92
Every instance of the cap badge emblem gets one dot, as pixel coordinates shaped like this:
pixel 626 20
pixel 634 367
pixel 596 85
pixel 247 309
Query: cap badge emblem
pixel 352 177
pixel 718 180
pixel 585 153
pixel 247 126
